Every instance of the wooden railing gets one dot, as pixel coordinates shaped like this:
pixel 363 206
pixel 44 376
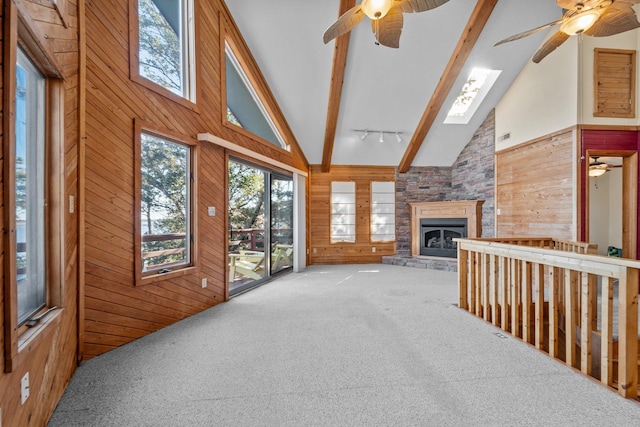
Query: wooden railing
pixel 546 292
pixel 252 239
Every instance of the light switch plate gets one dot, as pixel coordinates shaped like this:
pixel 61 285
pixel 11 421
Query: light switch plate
pixel 211 211
pixel 24 388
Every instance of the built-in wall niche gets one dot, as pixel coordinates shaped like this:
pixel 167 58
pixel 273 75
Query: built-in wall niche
pixel 605 208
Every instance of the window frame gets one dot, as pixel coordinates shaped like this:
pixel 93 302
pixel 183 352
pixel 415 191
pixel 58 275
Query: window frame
pixel 192 267
pixel 372 213
pixel 21 31
pixel 190 94
pixel 332 214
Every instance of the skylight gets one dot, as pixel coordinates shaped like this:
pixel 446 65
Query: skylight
pixel 473 92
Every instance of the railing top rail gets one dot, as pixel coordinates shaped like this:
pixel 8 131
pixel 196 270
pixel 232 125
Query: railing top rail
pixel 589 263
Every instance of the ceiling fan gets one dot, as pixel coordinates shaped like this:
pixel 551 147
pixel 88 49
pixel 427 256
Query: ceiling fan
pixel 386 18
pixel 597 18
pixel 598 168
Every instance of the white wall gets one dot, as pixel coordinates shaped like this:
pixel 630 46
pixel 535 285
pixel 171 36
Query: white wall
pixel 605 210
pixel 542 99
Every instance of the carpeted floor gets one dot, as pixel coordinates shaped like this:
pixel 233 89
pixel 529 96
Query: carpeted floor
pixel 353 345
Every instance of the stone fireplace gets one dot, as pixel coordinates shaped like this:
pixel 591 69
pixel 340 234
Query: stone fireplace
pixel 435 224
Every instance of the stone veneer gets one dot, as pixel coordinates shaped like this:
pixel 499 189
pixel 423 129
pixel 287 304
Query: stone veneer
pixel 470 178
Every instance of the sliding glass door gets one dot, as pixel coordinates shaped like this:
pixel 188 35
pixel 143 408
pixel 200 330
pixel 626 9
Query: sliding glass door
pixel 260 224
pixel 281 222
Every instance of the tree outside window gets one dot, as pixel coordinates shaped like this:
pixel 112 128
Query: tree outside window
pixel 165 190
pixel 163 45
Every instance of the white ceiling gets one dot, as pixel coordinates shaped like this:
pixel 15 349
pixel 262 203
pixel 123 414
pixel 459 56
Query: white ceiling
pixel 384 88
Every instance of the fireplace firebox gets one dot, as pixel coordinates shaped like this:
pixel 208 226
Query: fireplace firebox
pixel 437 234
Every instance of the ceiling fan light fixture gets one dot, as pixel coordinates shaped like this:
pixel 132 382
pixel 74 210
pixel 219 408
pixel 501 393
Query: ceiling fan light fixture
pixel 376 9
pixel 580 22
pixel 598 170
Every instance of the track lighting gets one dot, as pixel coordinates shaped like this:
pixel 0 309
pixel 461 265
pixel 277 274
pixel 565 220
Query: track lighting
pixel 365 133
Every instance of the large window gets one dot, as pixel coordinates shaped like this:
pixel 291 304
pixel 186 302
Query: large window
pixel 165 204
pixel 343 212
pixel 29 164
pixel 383 211
pixel 165 44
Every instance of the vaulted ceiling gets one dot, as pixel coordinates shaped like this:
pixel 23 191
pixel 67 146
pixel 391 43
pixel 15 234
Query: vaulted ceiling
pixel 327 91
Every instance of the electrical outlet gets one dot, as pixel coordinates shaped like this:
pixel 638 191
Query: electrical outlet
pixel 204 282
pixel 211 211
pixel 24 388
pixel 373 249
pixel 498 212
pixel 72 204
pixel 315 250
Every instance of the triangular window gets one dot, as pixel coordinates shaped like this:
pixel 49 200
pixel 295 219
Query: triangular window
pixel 244 107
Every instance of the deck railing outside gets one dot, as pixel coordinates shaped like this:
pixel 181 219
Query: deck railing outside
pixel 560 297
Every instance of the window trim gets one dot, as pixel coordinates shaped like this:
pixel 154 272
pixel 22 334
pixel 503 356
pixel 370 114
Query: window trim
pixel 194 85
pixel 141 279
pixel 21 30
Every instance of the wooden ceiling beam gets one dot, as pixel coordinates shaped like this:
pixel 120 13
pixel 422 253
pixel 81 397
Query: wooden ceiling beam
pixel 468 39
pixel 335 91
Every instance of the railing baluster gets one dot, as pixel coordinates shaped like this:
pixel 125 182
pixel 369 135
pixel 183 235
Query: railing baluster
pixel 628 334
pixel 585 324
pixel 606 345
pixel 570 283
pixel 553 312
pixel 504 285
pixel 472 282
pixel 539 328
pixel 527 290
pixel 515 297
pixel 486 285
pixel 463 278
pixel 478 281
pixel 493 280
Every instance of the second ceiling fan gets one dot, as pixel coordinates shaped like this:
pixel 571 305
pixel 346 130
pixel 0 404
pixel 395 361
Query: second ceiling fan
pixel 597 18
pixel 386 18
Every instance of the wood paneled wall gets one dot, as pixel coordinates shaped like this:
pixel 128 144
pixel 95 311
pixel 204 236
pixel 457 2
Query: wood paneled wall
pixel 116 310
pixel 535 188
pixel 322 251
pixel 47 352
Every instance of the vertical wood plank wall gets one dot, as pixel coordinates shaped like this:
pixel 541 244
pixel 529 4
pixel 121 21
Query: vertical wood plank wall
pixel 322 251
pixel 535 188
pixel 117 311
pixel 50 354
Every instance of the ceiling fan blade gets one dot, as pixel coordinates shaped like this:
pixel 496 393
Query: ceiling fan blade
pixel 411 6
pixel 344 24
pixel 528 33
pixel 388 29
pixel 550 45
pixel 573 4
pixel 616 19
